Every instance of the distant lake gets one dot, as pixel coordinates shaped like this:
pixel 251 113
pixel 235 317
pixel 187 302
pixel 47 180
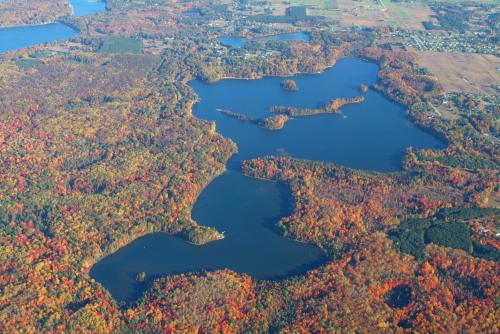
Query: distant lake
pixel 239 42
pixel 372 135
pixel 20 37
pixel 233 42
pixel 86 7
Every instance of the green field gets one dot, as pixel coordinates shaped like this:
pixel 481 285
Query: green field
pixel 314 4
pixel 326 8
pixel 400 11
pixel 332 14
pixel 27 63
pixel 120 45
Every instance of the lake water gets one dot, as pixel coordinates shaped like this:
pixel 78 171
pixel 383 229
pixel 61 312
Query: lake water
pixel 233 42
pixel 239 42
pixel 372 135
pixel 86 7
pixel 20 37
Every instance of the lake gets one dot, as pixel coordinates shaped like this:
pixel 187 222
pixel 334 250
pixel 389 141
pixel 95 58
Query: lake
pixel 20 37
pixel 86 7
pixel 239 42
pixel 372 135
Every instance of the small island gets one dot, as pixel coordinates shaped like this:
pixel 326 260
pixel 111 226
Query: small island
pixel 331 107
pixel 141 277
pixel 289 85
pixel 201 235
pixel 275 122
pixel 363 88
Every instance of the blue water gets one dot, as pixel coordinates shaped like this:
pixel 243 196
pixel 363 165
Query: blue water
pixel 246 209
pixel 86 7
pixel 20 37
pixel 296 36
pixel 372 135
pixel 233 42
pixel 239 42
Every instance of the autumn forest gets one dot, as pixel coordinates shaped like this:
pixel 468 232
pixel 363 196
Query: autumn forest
pixel 99 146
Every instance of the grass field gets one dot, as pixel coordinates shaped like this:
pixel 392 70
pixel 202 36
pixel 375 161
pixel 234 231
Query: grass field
pixel 325 8
pixel 332 14
pixel 384 12
pixel 324 4
pixel 27 63
pixel 463 72
pixel 366 12
pixel 120 45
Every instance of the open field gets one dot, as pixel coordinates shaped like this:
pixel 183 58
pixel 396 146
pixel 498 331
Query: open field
pixel 383 13
pixel 326 8
pixel 461 72
pixel 363 12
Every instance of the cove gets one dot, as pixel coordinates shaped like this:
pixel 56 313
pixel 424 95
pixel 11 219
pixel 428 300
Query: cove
pixel 20 37
pixel 239 42
pixel 372 136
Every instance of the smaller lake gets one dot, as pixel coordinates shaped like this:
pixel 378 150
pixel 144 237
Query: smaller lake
pixel 16 38
pixel 239 42
pixel 86 7
pixel 20 37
